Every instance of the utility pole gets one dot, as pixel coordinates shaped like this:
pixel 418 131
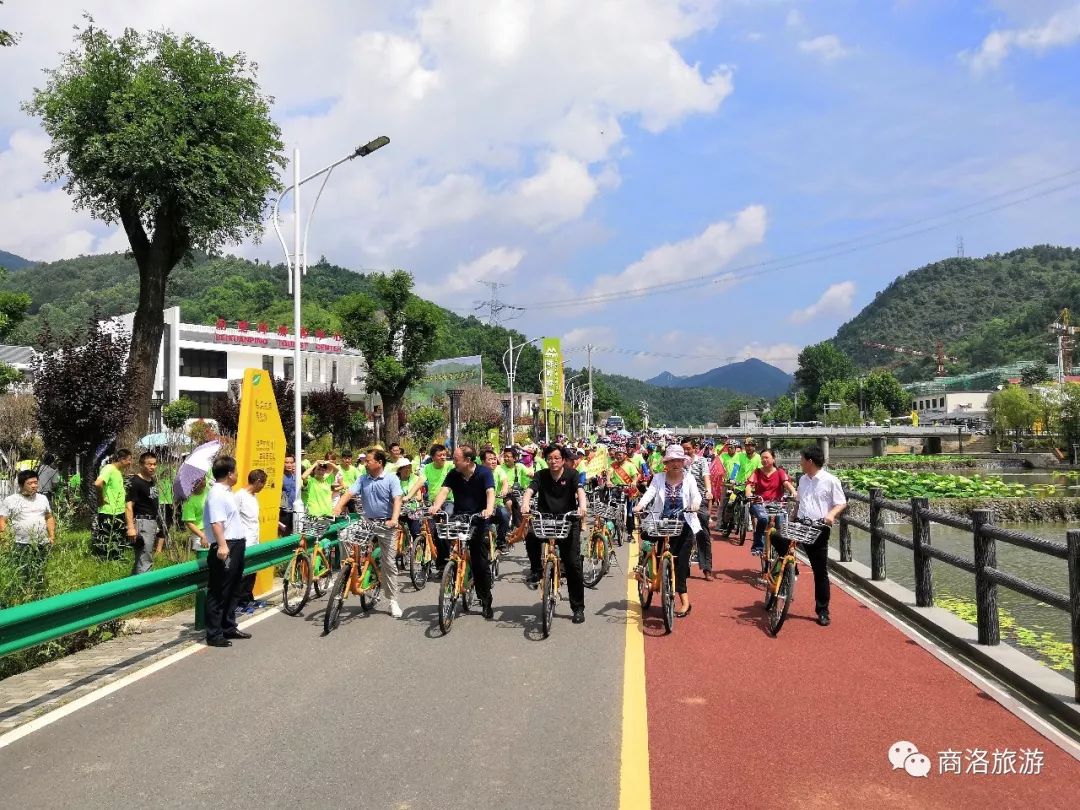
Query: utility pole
pixel 589 408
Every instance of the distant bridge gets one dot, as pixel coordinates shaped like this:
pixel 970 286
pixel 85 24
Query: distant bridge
pixel 932 434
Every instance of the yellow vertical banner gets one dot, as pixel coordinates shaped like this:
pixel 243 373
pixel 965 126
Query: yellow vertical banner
pixel 260 445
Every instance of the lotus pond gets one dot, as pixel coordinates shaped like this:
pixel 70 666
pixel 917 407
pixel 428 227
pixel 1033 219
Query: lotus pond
pixel 902 484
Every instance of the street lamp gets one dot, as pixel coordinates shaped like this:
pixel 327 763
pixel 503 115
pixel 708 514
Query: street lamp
pixel 297 267
pixel 510 361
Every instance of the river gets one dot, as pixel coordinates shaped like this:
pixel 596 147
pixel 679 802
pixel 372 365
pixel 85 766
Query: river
pixel 1044 629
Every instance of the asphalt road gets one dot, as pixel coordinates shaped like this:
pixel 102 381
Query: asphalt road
pixel 379 714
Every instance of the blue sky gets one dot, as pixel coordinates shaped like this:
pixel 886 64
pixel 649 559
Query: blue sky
pixel 569 150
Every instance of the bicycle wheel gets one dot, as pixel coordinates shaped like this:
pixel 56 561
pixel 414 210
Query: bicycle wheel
pixel 740 525
pixel 592 564
pixel 321 572
pixel 644 586
pixel 332 617
pixel 419 562
pixel 296 585
pixel 448 597
pixel 548 597
pixel 778 610
pixel 370 598
pixel 667 591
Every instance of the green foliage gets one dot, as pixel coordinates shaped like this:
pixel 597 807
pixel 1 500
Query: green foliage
pixel 427 424
pixel 13 308
pixel 819 364
pixel 986 311
pixel 330 412
pixel 176 413
pixel 1013 408
pixel 667 406
pixel 7 38
pixel 903 484
pixel 783 410
pixel 8 375
pixel 396 333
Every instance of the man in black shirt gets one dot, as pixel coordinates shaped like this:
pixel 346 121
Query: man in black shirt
pixel 143 520
pixel 558 492
pixel 474 493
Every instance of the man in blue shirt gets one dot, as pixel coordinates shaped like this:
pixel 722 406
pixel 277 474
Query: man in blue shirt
pixel 473 486
pixel 380 492
pixel 288 495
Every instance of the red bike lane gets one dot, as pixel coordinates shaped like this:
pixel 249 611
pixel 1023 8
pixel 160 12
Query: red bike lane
pixel 737 718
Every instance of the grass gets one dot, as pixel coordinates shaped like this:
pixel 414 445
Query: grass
pixel 70 566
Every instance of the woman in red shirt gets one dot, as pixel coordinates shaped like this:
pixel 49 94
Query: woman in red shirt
pixel 768 484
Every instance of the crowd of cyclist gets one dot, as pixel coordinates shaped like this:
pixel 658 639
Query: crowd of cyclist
pixel 702 484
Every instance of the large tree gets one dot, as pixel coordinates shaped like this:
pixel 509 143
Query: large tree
pixel 819 364
pixel 7 38
pixel 395 331
pixel 173 140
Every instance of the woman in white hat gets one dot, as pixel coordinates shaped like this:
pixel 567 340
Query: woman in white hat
pixel 673 493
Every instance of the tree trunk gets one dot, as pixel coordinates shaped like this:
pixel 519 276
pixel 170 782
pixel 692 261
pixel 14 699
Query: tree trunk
pixel 156 259
pixel 390 408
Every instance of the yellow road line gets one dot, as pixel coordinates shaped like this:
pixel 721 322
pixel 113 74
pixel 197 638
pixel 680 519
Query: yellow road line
pixel 634 785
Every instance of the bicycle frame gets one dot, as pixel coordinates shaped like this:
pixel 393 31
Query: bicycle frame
pixel 774 574
pixel 655 559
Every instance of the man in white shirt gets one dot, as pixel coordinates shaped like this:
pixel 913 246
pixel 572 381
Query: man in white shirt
pixel 32 523
pixel 247 501
pixel 821 497
pixel 225 563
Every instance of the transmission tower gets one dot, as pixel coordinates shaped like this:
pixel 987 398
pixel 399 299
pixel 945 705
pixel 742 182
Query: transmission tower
pixel 960 246
pixel 496 307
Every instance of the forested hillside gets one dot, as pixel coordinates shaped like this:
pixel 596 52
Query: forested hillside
pixel 986 311
pixel 670 406
pixel 68 293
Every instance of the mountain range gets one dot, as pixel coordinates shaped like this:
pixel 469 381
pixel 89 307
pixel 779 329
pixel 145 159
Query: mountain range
pixel 10 261
pixel 752 377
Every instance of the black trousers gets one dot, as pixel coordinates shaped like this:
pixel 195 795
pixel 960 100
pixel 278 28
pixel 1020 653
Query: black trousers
pixel 285 518
pixel 818 554
pixel 480 560
pixel 223 591
pixel 570 555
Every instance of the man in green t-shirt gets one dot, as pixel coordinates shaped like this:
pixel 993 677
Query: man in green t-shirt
pixel 748 461
pixel 435 473
pixel 318 483
pixel 511 473
pixel 346 477
pixel 109 538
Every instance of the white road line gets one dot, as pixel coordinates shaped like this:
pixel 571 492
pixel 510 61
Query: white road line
pixel 1002 696
pixel 93 697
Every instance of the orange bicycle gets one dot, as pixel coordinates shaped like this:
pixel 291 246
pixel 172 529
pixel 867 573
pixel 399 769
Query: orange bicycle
pixel 457 577
pixel 359 572
pixel 656 567
pixel 307 570
pixel 422 551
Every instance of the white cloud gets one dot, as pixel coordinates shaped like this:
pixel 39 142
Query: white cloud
pixel 1060 30
pixel 704 254
pixel 491 266
pixel 834 301
pixel 827 47
pixel 795 19
pixel 507 118
pixel 584 335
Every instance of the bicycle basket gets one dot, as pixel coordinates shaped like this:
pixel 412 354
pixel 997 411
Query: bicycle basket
pixel 805 533
pixel 550 527
pixel 356 534
pixel 663 527
pixel 453 527
pixel 316 526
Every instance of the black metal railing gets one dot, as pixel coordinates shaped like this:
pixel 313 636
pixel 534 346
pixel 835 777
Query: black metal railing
pixel 983 563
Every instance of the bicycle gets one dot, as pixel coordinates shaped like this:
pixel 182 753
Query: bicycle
pixel 739 517
pixel 422 551
pixel 307 570
pixel 773 510
pixel 599 551
pixel 656 571
pixel 550 528
pixel 781 576
pixel 359 572
pixel 457 577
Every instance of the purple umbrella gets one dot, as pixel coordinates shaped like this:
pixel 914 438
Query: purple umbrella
pixel 194 469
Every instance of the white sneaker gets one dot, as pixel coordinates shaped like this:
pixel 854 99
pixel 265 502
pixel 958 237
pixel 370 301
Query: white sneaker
pixel 395 609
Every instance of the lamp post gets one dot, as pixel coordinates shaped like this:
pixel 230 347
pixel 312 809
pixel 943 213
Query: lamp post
pixel 510 361
pixel 297 268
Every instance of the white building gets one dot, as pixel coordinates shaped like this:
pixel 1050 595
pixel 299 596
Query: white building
pixel 951 406
pixel 199 362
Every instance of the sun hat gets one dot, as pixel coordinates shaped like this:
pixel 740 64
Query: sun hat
pixel 674 453
pixel 401 462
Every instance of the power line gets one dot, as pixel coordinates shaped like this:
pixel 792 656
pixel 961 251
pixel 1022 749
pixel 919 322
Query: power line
pixel 828 251
pixel 494 305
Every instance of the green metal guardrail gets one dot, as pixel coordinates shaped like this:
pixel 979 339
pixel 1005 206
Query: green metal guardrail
pixel 24 626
